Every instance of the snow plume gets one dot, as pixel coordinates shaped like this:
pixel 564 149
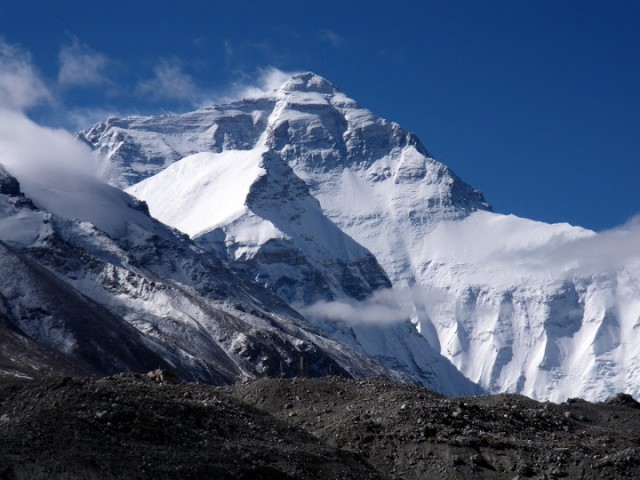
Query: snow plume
pixel 264 82
pixel 81 66
pixel 20 84
pixel 77 119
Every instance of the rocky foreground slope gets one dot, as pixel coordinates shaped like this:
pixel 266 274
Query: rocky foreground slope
pixel 144 426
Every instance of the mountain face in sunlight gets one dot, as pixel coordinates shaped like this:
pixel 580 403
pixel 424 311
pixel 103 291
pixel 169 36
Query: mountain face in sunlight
pixel 516 305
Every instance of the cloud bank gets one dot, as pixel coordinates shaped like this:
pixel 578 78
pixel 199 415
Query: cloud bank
pixel 26 147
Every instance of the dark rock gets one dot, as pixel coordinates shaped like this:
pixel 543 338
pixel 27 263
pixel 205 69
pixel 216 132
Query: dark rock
pixel 623 399
pixel 141 426
pixel 498 437
pixel 131 426
pixel 140 205
pixel 9 185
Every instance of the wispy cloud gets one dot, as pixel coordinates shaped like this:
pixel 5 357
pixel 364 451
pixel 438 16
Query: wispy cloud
pixel 379 308
pixel 81 66
pixel 170 82
pixel 229 53
pixel 263 82
pixel 607 251
pixel 335 39
pixel 21 86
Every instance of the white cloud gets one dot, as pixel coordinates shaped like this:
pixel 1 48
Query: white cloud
pixel 24 145
pixel 21 86
pixel 81 66
pixel 335 39
pixel 170 82
pixel 607 251
pixel 28 147
pixel 380 307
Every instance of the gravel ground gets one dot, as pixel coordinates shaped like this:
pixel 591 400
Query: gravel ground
pixel 147 427
pixel 133 427
pixel 408 432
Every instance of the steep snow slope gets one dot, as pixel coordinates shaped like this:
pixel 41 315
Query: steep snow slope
pixel 250 206
pixel 494 293
pixel 520 296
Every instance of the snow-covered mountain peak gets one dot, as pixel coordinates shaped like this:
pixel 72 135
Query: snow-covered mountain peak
pixel 308 82
pixel 339 202
pixel 309 122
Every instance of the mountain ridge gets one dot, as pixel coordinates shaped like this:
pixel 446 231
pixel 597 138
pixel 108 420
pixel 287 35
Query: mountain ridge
pixel 186 307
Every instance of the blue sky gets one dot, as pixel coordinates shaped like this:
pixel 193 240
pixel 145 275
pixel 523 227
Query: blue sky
pixel 536 103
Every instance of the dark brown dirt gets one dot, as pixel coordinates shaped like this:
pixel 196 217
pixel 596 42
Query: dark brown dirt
pixel 409 432
pixel 137 426
pixel 132 427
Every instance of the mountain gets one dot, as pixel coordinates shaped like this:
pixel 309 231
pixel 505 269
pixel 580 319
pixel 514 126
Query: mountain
pixel 507 300
pixel 133 288
pixel 137 294
pixel 251 207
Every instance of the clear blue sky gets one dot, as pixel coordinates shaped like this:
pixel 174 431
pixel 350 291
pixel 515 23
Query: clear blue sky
pixel 536 103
